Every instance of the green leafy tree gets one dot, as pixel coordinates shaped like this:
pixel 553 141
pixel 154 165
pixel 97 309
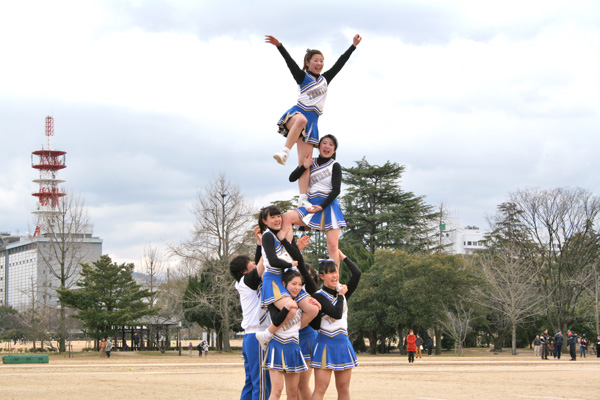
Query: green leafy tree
pixel 378 309
pixel 199 303
pixel 381 215
pixel 8 320
pixel 107 297
pixel 432 285
pixel 403 291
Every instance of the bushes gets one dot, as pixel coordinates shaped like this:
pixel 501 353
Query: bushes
pixel 37 350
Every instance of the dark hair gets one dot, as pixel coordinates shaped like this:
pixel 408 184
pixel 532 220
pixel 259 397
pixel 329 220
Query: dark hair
pixel 238 266
pixel 335 143
pixel 327 266
pixel 290 274
pixel 313 273
pixel 309 54
pixel 264 213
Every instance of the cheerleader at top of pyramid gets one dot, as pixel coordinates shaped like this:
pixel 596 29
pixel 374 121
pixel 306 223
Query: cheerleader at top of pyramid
pixel 299 124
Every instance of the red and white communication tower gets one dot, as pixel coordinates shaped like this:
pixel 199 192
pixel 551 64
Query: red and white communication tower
pixel 48 162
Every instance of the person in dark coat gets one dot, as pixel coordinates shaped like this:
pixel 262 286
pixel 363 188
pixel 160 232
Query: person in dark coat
pixel 572 344
pixel 419 344
pixel 429 345
pixel 558 342
pixel 136 341
pixel 583 344
pixel 545 344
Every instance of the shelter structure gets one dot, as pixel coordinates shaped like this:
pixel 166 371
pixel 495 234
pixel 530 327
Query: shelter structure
pixel 153 333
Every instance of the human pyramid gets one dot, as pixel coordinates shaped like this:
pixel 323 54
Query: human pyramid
pixel 292 327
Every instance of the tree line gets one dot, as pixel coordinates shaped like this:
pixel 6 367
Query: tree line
pixel 539 268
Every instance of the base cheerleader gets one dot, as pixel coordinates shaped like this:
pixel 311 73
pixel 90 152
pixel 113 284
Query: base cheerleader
pixel 333 351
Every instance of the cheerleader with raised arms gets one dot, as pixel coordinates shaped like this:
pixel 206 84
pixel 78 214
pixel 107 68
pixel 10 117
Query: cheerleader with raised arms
pixel 299 124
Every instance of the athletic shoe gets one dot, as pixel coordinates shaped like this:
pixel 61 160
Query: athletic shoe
pixel 262 339
pixel 281 157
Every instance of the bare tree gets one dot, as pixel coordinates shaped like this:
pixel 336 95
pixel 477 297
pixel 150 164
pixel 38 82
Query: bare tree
pixel 152 265
pixel 222 218
pixel 34 317
pixel 561 223
pixel 457 322
pixel 510 286
pixel 65 231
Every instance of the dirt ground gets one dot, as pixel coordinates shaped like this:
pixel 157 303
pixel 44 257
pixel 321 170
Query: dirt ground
pixel 139 375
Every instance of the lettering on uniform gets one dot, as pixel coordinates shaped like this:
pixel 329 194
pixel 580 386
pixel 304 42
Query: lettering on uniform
pixel 330 319
pixel 319 176
pixel 296 320
pixel 316 92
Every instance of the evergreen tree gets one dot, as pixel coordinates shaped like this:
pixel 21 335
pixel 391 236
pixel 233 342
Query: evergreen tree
pixel 107 297
pixel 381 215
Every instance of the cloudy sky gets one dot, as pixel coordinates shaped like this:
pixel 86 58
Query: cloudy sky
pixel 152 100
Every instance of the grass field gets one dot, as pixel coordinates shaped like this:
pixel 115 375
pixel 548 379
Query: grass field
pixel 140 376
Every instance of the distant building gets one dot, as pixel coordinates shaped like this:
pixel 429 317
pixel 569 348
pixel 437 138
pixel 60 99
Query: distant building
pixel 467 240
pixel 24 275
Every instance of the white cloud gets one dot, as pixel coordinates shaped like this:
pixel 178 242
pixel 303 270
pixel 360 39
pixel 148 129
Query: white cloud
pixel 152 100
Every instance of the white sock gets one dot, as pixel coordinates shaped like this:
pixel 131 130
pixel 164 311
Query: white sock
pixel 286 150
pixel 268 335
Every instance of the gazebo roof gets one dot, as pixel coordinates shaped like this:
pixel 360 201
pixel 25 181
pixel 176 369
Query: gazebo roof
pixel 154 320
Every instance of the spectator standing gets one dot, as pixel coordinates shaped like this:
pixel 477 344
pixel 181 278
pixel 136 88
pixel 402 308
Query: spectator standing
pixel 429 345
pixel 545 339
pixel 537 346
pixel 191 348
pixel 597 343
pixel 205 347
pixel 411 346
pixel 572 344
pixel 419 344
pixel 108 347
pixel 136 341
pixel 558 342
pixel 583 344
pixel 103 348
pixel 200 348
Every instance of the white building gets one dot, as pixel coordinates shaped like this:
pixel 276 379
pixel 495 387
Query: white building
pixel 465 240
pixel 25 275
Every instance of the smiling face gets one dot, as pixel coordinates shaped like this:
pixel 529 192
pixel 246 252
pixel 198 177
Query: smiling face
pixel 330 279
pixel 273 221
pixel 327 147
pixel 294 286
pixel 316 63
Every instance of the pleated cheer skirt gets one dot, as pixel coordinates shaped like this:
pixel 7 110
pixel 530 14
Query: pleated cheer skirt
pixel 333 351
pixel 329 218
pixel 308 337
pixel 284 355
pixel 310 134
